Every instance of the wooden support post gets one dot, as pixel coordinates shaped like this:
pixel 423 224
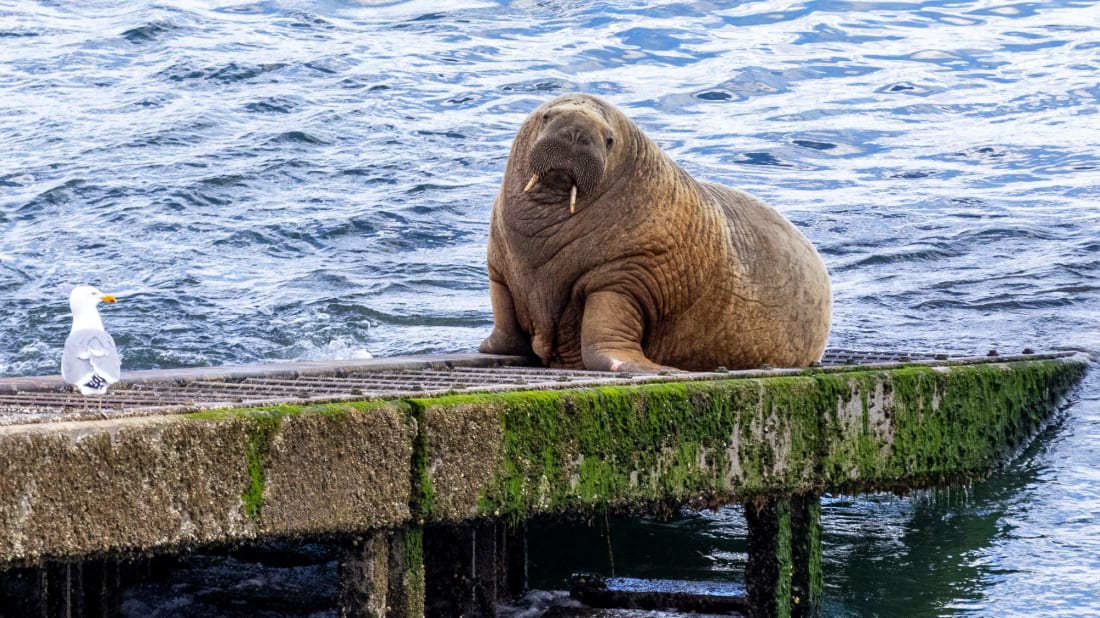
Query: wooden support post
pixel 382 574
pixel 783 575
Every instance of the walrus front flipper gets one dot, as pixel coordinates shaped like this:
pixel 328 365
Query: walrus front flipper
pixel 507 336
pixel 611 335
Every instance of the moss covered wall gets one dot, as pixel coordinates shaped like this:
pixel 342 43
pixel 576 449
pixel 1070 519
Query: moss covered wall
pixel 923 426
pixel 708 442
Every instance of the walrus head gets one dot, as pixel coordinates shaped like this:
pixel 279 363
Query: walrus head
pixel 568 157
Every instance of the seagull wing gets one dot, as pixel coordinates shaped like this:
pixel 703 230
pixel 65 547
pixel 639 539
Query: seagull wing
pixel 88 353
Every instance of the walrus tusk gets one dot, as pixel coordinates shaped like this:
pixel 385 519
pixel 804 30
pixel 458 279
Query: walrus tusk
pixel 572 199
pixel 531 183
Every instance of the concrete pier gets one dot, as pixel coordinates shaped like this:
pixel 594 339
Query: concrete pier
pixel 434 487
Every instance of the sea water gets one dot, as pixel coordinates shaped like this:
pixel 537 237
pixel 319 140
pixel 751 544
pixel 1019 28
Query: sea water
pixel 273 180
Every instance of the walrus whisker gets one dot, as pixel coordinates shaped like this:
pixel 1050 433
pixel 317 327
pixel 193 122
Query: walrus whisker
pixel 572 199
pixel 531 183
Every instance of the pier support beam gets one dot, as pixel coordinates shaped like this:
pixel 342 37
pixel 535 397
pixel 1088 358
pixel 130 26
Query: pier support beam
pixel 783 575
pixel 382 574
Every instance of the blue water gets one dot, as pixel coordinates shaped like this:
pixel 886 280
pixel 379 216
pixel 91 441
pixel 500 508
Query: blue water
pixel 312 180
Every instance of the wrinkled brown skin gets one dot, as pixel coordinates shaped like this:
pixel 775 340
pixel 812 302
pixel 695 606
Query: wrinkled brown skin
pixel 654 270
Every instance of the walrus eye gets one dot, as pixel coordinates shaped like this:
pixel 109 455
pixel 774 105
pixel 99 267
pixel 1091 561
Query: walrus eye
pixel 546 116
pixel 610 140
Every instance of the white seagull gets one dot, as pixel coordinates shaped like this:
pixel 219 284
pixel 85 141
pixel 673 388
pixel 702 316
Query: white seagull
pixel 90 360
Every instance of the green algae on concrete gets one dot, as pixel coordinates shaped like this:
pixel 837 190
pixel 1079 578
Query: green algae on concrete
pixel 382 574
pixel 134 484
pixel 633 446
pixel 927 426
pixel 555 450
pixel 412 572
pixel 260 434
pixel 359 446
pixel 771 441
pixel 710 442
pixel 783 576
pixel 161 482
pixel 809 590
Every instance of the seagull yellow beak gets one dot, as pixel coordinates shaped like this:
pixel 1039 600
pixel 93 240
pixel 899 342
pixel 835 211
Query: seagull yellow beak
pixel 107 298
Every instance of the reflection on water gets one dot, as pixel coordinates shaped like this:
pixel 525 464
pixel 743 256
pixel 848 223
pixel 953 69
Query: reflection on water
pixel 292 180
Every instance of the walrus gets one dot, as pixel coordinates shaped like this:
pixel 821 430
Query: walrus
pixel 605 255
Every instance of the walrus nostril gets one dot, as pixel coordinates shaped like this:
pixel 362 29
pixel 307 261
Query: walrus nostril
pixel 574 135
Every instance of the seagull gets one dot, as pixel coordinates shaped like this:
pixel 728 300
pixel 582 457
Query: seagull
pixel 90 360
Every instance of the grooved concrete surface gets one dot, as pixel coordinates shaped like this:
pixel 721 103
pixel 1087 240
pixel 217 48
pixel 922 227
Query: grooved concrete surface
pixel 141 393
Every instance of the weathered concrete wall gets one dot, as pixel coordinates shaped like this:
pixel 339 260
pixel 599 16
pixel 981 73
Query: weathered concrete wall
pixel 719 441
pixel 71 489
pixel 78 488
